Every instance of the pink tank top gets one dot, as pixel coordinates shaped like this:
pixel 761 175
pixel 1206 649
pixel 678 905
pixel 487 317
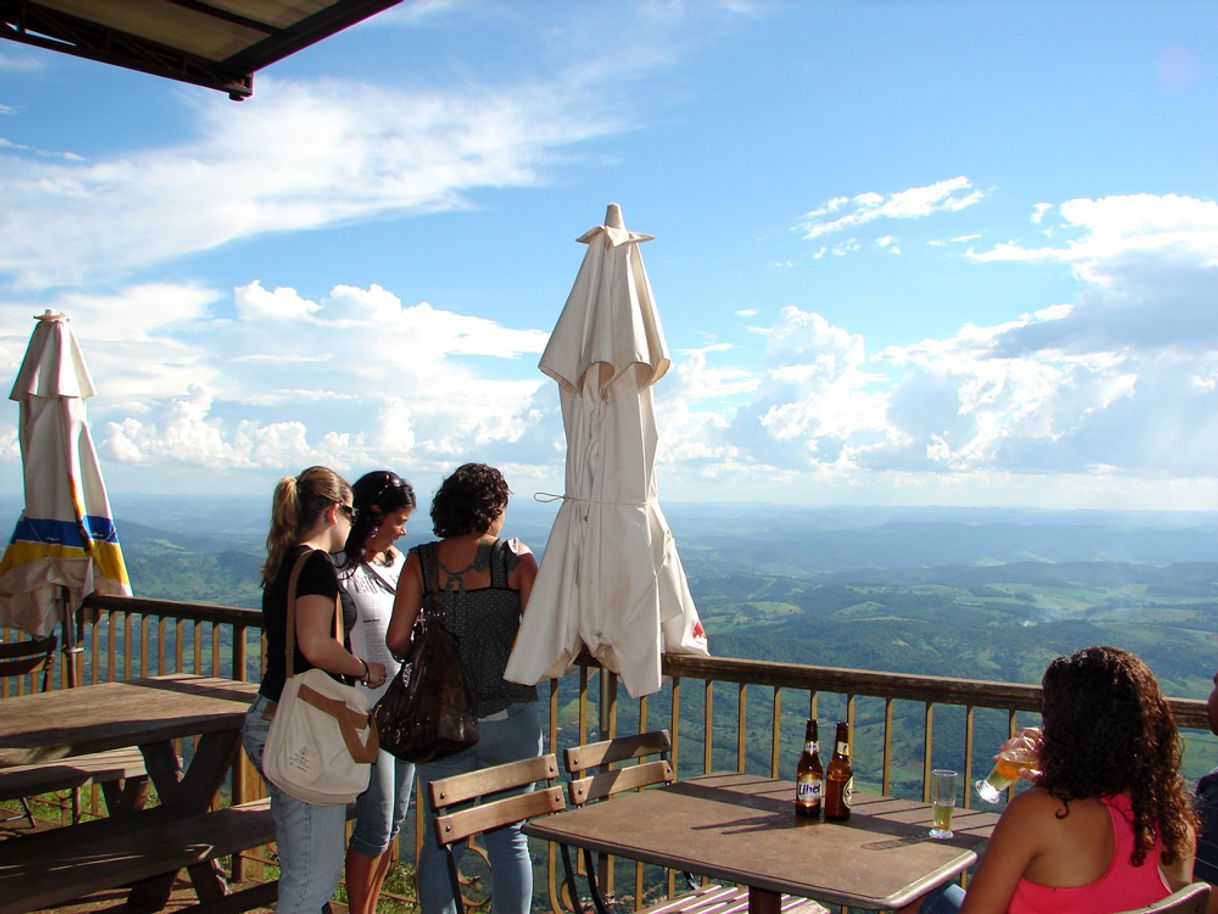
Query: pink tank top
pixel 1122 887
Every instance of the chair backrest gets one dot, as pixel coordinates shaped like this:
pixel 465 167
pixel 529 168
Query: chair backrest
pixel 462 788
pixel 580 760
pixel 18 658
pixel 1192 899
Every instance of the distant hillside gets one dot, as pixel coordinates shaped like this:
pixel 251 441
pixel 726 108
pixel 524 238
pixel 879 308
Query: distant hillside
pixel 970 594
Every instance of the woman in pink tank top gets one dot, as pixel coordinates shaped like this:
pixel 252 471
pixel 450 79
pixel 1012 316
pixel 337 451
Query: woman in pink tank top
pixel 1108 826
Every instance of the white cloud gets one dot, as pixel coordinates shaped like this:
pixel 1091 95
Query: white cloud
pixel 1114 392
pixel 19 63
pixel 302 155
pixel 842 213
pixel 351 378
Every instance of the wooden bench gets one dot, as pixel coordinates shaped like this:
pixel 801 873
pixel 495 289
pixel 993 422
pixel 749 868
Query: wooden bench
pixel 60 865
pixel 120 772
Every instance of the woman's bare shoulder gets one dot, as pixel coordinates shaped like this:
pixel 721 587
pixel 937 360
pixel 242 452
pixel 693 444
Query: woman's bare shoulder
pixel 1034 803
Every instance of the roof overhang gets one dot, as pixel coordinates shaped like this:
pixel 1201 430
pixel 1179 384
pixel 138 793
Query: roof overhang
pixel 218 44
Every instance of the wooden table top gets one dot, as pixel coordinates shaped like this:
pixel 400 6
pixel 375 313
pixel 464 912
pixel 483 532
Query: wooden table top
pixel 51 725
pixel 742 828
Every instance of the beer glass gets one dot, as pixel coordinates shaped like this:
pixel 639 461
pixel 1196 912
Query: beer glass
pixel 942 801
pixel 1019 752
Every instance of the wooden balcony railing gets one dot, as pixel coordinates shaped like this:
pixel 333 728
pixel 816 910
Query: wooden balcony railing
pixel 723 713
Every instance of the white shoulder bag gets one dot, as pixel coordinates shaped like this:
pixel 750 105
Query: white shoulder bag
pixel 322 741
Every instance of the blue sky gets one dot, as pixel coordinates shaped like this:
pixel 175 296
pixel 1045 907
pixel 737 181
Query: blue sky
pixel 905 253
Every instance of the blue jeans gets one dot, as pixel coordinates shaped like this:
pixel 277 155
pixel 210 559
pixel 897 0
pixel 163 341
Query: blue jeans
pixel 946 899
pixel 518 736
pixel 1205 867
pixel 380 809
pixel 310 838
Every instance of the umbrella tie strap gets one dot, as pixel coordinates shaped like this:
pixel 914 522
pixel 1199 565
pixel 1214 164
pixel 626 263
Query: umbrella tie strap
pixel 546 497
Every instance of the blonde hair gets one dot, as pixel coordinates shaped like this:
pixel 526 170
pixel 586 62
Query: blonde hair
pixel 297 504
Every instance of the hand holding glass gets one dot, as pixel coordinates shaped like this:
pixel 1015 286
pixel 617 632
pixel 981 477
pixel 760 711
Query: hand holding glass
pixel 1018 754
pixel 942 801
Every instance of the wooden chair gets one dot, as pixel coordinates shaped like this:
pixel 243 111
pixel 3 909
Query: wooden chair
pixel 459 790
pixel 1192 899
pixel 593 778
pixel 22 658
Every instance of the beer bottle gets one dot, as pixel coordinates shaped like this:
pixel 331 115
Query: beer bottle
pixel 839 777
pixel 809 776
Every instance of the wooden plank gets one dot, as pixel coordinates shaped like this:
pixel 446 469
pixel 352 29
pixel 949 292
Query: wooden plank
pixel 485 816
pixel 99 767
pixel 53 725
pixel 607 783
pixel 592 755
pixel 486 781
pixel 83 860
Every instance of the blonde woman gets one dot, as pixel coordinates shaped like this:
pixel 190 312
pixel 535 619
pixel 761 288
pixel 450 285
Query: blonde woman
pixel 313 513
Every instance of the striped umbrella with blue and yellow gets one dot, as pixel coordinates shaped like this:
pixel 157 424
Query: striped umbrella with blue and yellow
pixel 64 546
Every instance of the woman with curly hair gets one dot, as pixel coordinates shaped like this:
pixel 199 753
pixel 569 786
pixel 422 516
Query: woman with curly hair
pixel 482 583
pixel 1108 825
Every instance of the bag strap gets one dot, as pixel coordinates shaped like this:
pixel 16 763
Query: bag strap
pixel 389 585
pixel 436 598
pixel 290 641
pixel 349 721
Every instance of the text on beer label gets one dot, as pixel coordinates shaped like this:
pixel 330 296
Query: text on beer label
pixel 848 793
pixel 811 747
pixel 809 789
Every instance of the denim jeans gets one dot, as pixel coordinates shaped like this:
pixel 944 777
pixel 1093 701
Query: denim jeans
pixel 380 809
pixel 310 838
pixel 946 899
pixel 519 735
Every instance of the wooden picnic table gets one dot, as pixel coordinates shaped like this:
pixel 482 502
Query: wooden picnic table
pixel 146 845
pixel 742 828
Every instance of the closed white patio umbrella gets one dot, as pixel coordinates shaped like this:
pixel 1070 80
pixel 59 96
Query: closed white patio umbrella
pixel 610 577
pixel 64 545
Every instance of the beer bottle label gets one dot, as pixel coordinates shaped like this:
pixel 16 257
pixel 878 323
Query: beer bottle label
pixel 810 747
pixel 848 793
pixel 843 748
pixel 808 789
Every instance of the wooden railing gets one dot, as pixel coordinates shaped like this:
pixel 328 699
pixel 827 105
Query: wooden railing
pixel 723 713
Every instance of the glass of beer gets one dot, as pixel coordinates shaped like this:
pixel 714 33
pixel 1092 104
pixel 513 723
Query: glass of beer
pixel 1019 752
pixel 942 801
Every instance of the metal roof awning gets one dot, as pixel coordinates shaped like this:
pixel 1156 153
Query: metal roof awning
pixel 218 44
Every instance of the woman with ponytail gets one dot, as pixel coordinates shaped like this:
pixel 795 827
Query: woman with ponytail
pixel 310 513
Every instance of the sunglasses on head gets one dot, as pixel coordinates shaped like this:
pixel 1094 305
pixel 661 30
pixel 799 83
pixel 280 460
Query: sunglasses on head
pixel 392 481
pixel 351 511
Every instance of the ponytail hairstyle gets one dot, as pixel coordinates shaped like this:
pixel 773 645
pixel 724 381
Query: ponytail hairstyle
pixel 298 503
pixel 377 495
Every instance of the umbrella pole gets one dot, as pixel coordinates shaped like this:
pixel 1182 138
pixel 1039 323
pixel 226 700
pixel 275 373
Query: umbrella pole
pixel 71 650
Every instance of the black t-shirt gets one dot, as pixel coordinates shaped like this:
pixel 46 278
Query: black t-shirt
pixel 316 577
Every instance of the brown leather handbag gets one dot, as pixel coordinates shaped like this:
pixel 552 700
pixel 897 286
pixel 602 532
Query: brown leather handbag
pixel 425 713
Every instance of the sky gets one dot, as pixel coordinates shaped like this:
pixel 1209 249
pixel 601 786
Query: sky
pixel 904 253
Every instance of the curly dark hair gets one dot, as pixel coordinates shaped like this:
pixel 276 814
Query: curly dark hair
pixel 469 500
pixel 376 495
pixel 1108 729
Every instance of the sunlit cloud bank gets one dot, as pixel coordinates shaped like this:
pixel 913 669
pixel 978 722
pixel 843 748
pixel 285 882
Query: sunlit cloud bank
pixel 304 155
pixel 1108 400
pixel 363 379
pixel 1119 385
